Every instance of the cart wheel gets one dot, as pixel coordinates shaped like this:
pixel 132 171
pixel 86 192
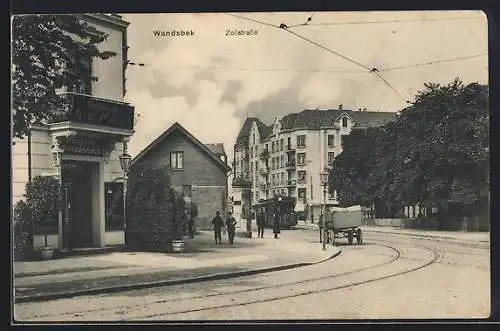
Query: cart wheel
pixel 359 237
pixel 350 237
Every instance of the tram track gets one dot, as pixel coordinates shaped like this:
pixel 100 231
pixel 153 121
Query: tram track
pixel 436 256
pixel 397 254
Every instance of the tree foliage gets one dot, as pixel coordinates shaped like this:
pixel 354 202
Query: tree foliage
pixel 155 211
pixel 47 53
pixel 42 199
pixel 435 153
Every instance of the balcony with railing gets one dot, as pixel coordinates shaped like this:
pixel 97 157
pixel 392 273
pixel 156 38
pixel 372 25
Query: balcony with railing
pixel 301 180
pixel 291 182
pixel 264 185
pixel 87 109
pixel 290 165
pixel 290 149
pixel 264 155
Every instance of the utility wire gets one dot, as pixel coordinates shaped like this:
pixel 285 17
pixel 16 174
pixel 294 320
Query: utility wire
pixel 390 86
pixel 433 62
pixel 252 20
pixel 278 69
pixel 328 49
pixel 389 21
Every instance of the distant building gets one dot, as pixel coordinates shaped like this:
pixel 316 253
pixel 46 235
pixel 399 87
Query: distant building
pixel 198 171
pixel 287 157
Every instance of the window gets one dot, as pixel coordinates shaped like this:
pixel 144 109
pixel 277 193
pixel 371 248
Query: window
pixel 331 140
pixel 177 160
pixel 331 157
pixel 254 138
pixel 272 164
pixel 281 161
pixel 113 201
pixel 344 122
pixel 289 144
pixel 251 169
pixel 301 175
pixel 301 192
pixel 82 85
pixel 186 190
pixel 272 147
pixel 272 179
pixel 282 178
pixel 301 141
pixel 301 158
pixel 256 166
pixel 251 152
pixel 281 144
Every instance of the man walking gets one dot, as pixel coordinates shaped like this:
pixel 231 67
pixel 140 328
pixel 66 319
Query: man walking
pixel 260 224
pixel 217 223
pixel 231 227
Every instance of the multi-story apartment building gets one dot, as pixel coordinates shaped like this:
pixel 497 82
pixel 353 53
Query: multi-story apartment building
pixel 81 147
pixel 287 157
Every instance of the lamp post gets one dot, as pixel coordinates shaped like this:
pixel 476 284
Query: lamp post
pixel 324 183
pixel 125 163
pixel 56 153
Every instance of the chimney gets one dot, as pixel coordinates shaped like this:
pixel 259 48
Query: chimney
pixel 341 106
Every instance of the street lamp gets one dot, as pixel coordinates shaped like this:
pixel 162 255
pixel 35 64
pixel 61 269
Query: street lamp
pixel 324 183
pixel 125 163
pixel 56 152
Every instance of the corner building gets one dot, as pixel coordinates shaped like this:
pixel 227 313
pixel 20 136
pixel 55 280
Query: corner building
pixel 90 134
pixel 287 157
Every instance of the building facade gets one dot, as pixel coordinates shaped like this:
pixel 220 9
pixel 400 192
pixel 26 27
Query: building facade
pixel 287 157
pixel 198 171
pixel 81 148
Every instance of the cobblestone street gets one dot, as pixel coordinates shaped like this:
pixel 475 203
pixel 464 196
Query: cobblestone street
pixel 391 276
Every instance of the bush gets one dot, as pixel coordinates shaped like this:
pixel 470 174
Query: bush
pixel 23 230
pixel 42 198
pixel 156 212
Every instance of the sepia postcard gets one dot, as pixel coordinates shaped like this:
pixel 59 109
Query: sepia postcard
pixel 250 166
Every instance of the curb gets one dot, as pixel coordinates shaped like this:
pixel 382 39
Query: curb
pixel 430 236
pixel 123 288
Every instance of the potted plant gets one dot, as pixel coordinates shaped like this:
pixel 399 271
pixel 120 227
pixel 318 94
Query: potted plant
pixel 179 222
pixel 42 199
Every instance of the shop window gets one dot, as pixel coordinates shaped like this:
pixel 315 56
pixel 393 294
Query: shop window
pixel 114 206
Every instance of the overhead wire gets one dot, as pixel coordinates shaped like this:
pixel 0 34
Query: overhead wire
pixel 433 62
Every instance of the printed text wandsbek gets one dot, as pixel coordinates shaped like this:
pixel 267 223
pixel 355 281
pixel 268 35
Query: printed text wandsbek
pixel 173 33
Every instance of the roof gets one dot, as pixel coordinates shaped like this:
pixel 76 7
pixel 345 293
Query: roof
pixel 315 119
pixel 177 127
pixel 264 130
pixel 217 149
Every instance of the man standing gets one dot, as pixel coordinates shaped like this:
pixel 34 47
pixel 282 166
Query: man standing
pixel 231 227
pixel 217 223
pixel 276 225
pixel 260 224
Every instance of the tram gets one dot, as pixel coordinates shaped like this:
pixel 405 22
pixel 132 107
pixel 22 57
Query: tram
pixel 283 206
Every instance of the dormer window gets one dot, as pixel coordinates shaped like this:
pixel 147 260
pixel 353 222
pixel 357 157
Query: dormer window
pixel 344 122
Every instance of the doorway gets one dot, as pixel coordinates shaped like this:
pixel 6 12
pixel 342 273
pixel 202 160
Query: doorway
pixel 77 202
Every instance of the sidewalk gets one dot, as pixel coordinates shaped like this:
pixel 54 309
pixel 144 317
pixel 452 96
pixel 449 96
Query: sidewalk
pixel 202 260
pixel 456 236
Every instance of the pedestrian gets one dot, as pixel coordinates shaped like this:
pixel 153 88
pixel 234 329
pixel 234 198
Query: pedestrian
pixel 276 225
pixel 217 223
pixel 191 226
pixel 260 224
pixel 231 227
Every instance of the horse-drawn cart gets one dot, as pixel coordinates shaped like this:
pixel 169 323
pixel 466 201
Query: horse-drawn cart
pixel 344 223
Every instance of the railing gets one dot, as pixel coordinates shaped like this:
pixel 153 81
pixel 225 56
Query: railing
pixel 290 164
pixel 81 108
pixel 301 180
pixel 290 148
pixel 264 154
pixel 301 146
pixel 291 182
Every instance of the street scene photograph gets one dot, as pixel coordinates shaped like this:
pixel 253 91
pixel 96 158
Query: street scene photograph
pixel 250 166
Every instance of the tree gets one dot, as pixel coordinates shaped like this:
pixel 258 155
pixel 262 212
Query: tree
pixel 435 153
pixel 48 53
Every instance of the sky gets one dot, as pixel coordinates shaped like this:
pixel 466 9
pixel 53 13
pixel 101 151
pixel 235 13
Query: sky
pixel 210 82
